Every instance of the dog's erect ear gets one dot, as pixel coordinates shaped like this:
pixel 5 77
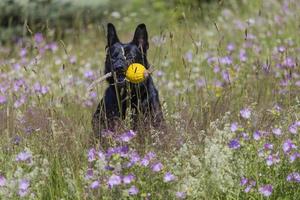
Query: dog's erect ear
pixel 140 37
pixel 112 36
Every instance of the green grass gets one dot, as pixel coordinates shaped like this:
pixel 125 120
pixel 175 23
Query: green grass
pixel 56 127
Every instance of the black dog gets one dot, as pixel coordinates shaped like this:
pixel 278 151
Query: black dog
pixel 141 98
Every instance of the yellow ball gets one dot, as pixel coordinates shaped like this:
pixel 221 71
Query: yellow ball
pixel 136 73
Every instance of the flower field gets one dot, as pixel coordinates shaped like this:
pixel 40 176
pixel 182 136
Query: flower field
pixel 230 91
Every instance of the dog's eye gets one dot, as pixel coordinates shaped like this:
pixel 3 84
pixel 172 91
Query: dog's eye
pixel 115 54
pixel 130 56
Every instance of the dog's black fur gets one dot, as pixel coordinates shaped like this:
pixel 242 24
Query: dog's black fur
pixel 142 98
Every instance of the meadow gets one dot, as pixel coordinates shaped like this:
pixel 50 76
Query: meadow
pixel 229 83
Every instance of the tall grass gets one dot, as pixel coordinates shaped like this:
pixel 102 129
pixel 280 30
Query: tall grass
pixel 229 87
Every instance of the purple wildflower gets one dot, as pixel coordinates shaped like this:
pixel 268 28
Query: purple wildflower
pixel 243 181
pixel 92 155
pixel 101 155
pixel 128 178
pixel 3 88
pixel 293 177
pixel 145 162
pixel 239 25
pixel 93 95
pixel 261 153
pixel 243 55
pixel 160 73
pixel 281 49
pixel 189 56
pixel 250 185
pixel 266 67
pixel 277 131
pixel 126 137
pixel 156 167
pixel 18 84
pixel 89 174
pixel 216 69
pixel 227 60
pixel 289 62
pixel 95 185
pixel 245 136
pixel 121 150
pixel 38 38
pixel 20 101
pixel 226 76
pixel 42 50
pixel 234 126
pixel 23 52
pixel 266 190
pixel 273 159
pixel 38 88
pixel 294 156
pixel 288 145
pixel 2 99
pixel 218 84
pixel 257 49
pixel 230 47
pixel 277 108
pixel 248 188
pixel 89 74
pixel 24 156
pixel 111 151
pixel 73 59
pixel 169 177
pixel 293 128
pixel 234 144
pixel 200 82
pixel 52 46
pixel 181 195
pixel 114 180
pixel 245 113
pixel 268 146
pixel 284 82
pixel 256 135
pixel 44 90
pixel 23 187
pixel 134 158
pixel 269 160
pixel 133 190
pixel 251 36
pixel 147 158
pixel 2 181
pixel 109 168
pixel 88 103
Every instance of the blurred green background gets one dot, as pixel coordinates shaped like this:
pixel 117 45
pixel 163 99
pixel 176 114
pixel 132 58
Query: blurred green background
pixel 20 17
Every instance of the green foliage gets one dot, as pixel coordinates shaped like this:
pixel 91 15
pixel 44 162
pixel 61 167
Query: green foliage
pixel 42 15
pixel 17 17
pixel 210 163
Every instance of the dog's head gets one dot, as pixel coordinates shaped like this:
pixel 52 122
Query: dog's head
pixel 120 55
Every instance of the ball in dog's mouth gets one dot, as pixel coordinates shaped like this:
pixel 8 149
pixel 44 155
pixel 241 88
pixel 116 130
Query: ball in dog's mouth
pixel 136 73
